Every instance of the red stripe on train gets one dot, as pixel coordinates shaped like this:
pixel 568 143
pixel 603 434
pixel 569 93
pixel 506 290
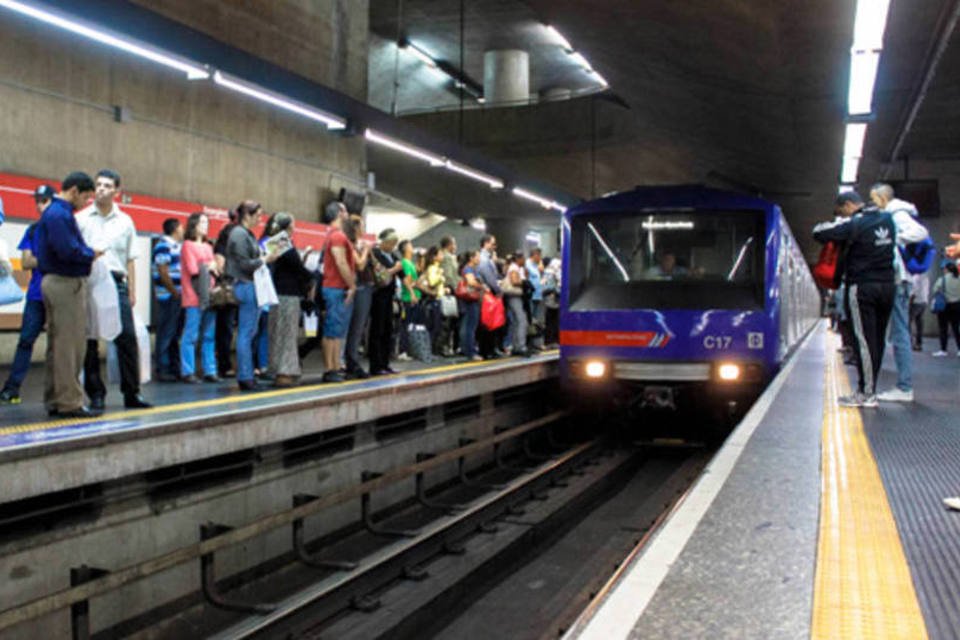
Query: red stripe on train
pixel 613 339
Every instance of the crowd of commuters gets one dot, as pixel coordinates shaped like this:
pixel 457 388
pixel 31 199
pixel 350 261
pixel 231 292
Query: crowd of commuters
pixel 379 301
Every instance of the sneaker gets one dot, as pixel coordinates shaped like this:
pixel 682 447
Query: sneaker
pixel 870 401
pixel 855 399
pixel 939 354
pixel 403 357
pixel 896 395
pixel 9 397
pixel 952 503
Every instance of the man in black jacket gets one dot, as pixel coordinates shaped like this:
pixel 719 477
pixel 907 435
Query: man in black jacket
pixel 870 239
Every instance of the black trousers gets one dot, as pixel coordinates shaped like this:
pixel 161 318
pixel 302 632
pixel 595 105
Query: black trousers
pixel 128 355
pixel 916 322
pixel 949 317
pixel 226 322
pixel 380 338
pixel 868 307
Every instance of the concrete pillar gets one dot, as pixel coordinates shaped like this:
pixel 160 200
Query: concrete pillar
pixel 506 76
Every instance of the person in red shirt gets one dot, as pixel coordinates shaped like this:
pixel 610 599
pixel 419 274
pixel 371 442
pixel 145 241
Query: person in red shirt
pixel 339 286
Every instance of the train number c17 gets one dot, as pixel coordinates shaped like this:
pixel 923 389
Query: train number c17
pixel 717 342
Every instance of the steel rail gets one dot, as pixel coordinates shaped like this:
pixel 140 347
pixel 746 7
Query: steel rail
pixel 116 579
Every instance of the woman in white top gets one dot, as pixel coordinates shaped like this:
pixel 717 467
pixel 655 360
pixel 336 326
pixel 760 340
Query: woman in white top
pixel 512 287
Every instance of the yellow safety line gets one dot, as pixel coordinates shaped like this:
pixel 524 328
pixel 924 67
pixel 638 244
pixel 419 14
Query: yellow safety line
pixel 233 399
pixel 863 587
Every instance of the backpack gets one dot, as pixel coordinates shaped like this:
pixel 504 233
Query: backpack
pixel 918 256
pixel 827 272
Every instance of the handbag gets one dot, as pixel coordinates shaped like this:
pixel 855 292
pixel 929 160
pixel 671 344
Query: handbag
pixel 492 314
pixel 939 302
pixel 465 292
pixel 10 291
pixel 448 306
pixel 418 341
pixel 222 295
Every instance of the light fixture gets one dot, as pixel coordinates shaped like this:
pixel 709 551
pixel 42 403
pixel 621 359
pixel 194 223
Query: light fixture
pixel 848 174
pixel 240 86
pixel 579 59
pixel 479 224
pixel 870 23
pixel 194 71
pixel 595 369
pixel 419 53
pixel 844 188
pixel 853 143
pixel 667 225
pixel 527 195
pixel 376 138
pixel 863 77
pixel 495 183
pixel 599 78
pixel 728 372
pixel 556 35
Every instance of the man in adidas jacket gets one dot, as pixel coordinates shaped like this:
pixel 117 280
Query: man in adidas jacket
pixel 869 237
pixel 908 231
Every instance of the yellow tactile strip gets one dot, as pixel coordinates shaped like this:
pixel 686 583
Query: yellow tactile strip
pixel 863 587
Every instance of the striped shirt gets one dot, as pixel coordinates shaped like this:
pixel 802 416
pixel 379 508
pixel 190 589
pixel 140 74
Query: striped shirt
pixel 166 251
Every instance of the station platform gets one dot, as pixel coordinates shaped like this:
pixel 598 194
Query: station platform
pixel 193 422
pixel 812 521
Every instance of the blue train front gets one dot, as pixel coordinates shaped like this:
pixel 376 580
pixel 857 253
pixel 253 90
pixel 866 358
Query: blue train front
pixel 679 297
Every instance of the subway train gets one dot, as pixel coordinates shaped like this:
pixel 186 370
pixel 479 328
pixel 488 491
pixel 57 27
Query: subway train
pixel 679 297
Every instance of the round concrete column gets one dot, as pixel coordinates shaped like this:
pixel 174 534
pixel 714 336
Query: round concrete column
pixel 506 76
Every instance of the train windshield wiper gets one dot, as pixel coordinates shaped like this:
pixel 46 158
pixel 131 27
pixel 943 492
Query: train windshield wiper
pixel 616 261
pixel 736 265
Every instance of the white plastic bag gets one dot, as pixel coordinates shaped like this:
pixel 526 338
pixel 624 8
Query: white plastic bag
pixel 143 354
pixel 103 304
pixel 448 307
pixel 311 323
pixel 263 285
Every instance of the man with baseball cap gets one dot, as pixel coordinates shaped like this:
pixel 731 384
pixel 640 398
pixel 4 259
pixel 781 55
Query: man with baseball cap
pixel 34 316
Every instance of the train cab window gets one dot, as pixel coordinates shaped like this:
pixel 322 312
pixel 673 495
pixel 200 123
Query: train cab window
pixel 668 260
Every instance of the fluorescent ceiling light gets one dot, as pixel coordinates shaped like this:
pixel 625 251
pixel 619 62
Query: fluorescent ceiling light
pixel 853 144
pixel 870 23
pixel 563 42
pixel 527 195
pixel 420 54
pixel 193 71
pixel 844 188
pixel 599 78
pixel 376 138
pixel 863 76
pixel 848 174
pixel 479 224
pixel 495 183
pixel 579 59
pixel 481 100
pixel 332 121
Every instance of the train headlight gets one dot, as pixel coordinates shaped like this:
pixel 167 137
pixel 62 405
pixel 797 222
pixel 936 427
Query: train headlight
pixel 728 372
pixel 595 369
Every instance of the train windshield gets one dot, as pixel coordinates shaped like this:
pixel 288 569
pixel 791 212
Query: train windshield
pixel 667 260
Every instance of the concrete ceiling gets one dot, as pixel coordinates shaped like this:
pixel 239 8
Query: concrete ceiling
pixel 746 94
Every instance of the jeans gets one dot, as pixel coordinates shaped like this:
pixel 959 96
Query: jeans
pixel 900 337
pixel 362 299
pixel 198 323
pixel 518 323
pixel 247 315
pixel 128 354
pixel 168 319
pixel 469 320
pixel 538 316
pixel 34 316
pixel 261 342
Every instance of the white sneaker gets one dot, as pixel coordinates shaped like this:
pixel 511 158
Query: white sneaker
pixel 952 503
pixel 939 354
pixel 855 399
pixel 403 357
pixel 870 401
pixel 896 395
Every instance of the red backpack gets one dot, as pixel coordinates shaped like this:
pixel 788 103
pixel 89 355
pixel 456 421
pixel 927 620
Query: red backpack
pixel 826 272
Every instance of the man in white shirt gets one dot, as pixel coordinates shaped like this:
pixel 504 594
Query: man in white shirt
pixel 908 231
pixel 108 229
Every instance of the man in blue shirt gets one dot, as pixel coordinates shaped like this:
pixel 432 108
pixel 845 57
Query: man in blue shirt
pixel 166 288
pixel 64 259
pixel 33 313
pixel 538 313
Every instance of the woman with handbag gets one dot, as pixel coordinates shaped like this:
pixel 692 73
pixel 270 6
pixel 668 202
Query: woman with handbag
pixel 196 261
pixel 469 292
pixel 512 287
pixel 242 260
pixel 945 298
